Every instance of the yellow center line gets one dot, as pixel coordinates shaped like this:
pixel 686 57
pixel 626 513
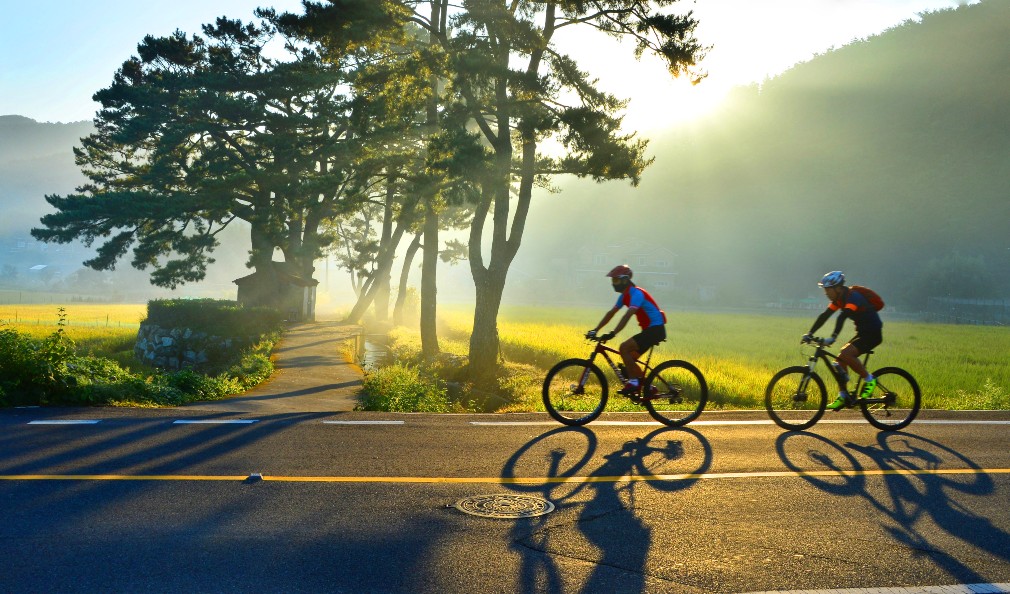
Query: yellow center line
pixel 118 477
pixel 503 480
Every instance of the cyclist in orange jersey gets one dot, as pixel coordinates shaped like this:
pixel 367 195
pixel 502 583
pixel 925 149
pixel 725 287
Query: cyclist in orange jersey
pixel 855 305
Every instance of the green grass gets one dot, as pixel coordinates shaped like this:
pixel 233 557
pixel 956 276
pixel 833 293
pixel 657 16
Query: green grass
pixel 957 367
pixel 98 367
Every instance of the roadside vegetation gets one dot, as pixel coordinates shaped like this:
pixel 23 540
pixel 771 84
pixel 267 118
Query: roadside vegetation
pixel 83 355
pixel 958 367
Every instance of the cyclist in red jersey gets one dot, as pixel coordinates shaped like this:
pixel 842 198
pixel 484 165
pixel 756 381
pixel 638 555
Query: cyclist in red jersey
pixel 650 318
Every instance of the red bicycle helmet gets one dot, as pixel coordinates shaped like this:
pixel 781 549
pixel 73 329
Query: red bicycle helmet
pixel 621 271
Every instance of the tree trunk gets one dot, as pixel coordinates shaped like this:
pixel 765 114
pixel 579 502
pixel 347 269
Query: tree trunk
pixel 429 268
pixel 484 343
pixel 367 297
pixel 382 297
pixel 429 261
pixel 261 254
pixel 384 263
pixel 489 281
pixel 401 295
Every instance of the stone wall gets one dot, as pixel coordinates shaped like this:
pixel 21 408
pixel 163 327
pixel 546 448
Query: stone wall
pixel 183 348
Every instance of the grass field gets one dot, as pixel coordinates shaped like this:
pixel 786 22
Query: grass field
pixel 101 330
pixel 958 367
pixel 101 368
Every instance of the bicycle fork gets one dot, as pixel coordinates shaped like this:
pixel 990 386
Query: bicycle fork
pixel 801 391
pixel 580 388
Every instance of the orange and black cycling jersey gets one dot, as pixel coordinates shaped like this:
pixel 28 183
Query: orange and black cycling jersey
pixel 852 305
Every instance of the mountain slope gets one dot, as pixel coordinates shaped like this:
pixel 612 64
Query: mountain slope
pixel 35 159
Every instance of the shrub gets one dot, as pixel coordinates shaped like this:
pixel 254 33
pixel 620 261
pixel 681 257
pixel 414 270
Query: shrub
pixel 990 396
pixel 47 371
pixel 35 371
pixel 214 316
pixel 403 388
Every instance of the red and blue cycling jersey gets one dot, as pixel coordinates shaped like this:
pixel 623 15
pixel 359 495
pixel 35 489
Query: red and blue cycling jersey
pixel 648 312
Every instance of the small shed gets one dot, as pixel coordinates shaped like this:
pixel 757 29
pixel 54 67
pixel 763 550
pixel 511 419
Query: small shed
pixel 276 287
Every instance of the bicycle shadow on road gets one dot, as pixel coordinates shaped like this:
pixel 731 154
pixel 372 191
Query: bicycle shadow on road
pixel 919 494
pixel 609 532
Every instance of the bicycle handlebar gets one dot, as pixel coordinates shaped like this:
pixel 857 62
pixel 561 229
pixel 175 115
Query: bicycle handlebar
pixel 816 340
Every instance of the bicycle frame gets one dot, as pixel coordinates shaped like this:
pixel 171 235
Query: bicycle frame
pixel 821 353
pixel 602 349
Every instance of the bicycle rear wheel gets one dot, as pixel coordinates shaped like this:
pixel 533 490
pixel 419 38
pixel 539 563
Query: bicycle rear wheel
pixel 575 392
pixel 902 400
pixel 675 393
pixel 796 398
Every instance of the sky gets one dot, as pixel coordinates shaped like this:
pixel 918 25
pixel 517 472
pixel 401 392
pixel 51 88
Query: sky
pixel 55 54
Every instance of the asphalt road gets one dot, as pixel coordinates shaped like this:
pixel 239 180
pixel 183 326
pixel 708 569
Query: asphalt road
pixel 365 502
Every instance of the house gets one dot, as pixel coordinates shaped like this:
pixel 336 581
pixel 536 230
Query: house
pixel 276 287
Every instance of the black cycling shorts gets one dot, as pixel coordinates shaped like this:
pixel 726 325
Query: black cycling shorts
pixel 650 337
pixel 866 341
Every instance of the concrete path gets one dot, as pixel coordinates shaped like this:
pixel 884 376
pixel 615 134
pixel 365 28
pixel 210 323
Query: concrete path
pixel 311 375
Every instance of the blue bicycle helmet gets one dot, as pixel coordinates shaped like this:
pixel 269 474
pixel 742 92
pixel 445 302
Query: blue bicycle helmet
pixel 832 279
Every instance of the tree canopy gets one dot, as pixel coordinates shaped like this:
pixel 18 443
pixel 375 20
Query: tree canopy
pixel 523 95
pixel 197 132
pixel 398 105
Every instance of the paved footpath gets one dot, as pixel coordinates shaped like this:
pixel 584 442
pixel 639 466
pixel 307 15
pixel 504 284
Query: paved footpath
pixel 312 374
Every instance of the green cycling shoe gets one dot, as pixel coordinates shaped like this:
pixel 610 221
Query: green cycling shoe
pixel 868 388
pixel 841 402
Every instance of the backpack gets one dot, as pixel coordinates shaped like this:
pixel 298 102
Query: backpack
pixel 875 301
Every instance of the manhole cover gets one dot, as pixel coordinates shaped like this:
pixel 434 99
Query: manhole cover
pixel 505 506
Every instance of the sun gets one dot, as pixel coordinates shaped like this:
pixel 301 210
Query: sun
pixel 661 104
pixel 656 100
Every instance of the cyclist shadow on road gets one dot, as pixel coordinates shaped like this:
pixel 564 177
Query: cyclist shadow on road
pixel 919 494
pixel 609 531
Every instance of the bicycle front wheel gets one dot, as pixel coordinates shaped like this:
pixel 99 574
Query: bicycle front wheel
pixel 901 400
pixel 675 393
pixel 796 398
pixel 575 392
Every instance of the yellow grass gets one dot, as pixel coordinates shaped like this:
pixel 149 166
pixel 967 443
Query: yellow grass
pixel 97 329
pixel 78 314
pixel 957 367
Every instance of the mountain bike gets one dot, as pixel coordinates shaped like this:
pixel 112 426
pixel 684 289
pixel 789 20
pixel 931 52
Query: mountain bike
pixel 576 391
pixel 796 396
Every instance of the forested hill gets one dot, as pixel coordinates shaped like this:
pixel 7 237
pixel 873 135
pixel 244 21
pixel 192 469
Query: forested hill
pixel 880 158
pixel 35 159
pixel 24 138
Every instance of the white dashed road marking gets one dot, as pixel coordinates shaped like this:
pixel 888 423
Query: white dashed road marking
pixel 216 422
pixel 363 422
pixel 66 422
